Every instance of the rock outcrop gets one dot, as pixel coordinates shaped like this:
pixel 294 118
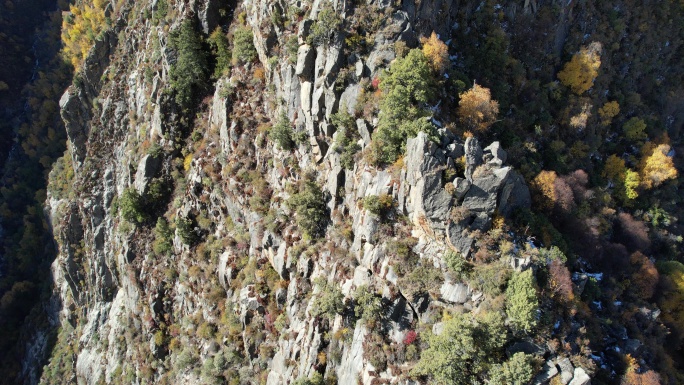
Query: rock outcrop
pixel 235 281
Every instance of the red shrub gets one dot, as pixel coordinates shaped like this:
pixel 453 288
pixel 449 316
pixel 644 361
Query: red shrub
pixel 410 337
pixel 560 282
pixel 375 83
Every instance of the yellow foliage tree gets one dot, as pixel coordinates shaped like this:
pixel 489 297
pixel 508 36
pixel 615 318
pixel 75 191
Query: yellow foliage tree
pixel 626 180
pixel 81 28
pixel 437 53
pixel 655 166
pixel 580 72
pixel 476 108
pixel 608 112
pixel 632 182
pixel 544 186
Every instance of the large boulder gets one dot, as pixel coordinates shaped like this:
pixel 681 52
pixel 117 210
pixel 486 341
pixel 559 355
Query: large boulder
pixel 147 169
pixel 580 377
pixel 547 372
pixel 455 292
pixel 566 369
pixel 501 188
pixel 473 156
pixel 424 176
pixel 305 62
pixel 494 154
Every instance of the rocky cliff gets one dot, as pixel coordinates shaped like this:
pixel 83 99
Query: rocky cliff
pixel 235 294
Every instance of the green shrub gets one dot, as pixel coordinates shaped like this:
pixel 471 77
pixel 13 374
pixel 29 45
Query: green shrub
pixel 463 352
pixel 378 204
pixel 188 75
pixel 347 137
pixel 407 87
pixel 367 304
pixel 324 28
pixel 163 238
pixel 281 133
pixel 375 351
pixel 402 249
pixel 161 9
pixel 458 265
pixel 310 209
pixel 206 331
pixel 521 301
pixel 131 206
pixel 490 278
pixel 518 370
pixel 292 47
pixel 328 303
pixel 220 47
pixel 315 379
pixel 186 230
pixel 551 254
pixel 422 280
pixel 243 46
pixel 157 195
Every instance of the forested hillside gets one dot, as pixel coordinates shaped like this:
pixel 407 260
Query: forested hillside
pixel 275 192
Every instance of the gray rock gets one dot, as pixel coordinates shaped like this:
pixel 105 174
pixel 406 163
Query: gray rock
pixel 75 104
pixel 461 187
pixel 364 131
pixel 351 364
pixel 513 194
pixel 438 328
pixel 225 272
pixel 566 369
pixel 424 176
pixel 632 345
pixel 455 292
pixel 473 154
pixel 455 150
pixel 75 118
pixel 305 62
pixel 280 260
pixel 147 169
pixel 481 196
pixel 436 200
pixel 494 154
pixel 358 69
pixel 336 179
pixel 547 372
pixel 481 221
pixel 318 148
pixel 580 377
pixel 500 188
pixel 349 97
pixel 380 57
pixel 209 15
pixel 460 238
pixel 361 276
pixel 304 28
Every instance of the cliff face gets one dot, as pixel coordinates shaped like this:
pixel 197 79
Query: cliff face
pixel 121 304
pixel 237 291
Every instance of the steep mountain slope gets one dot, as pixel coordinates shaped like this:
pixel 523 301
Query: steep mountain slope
pixel 269 192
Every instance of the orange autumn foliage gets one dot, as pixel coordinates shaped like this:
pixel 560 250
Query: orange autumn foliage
pixel 436 52
pixel 476 108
